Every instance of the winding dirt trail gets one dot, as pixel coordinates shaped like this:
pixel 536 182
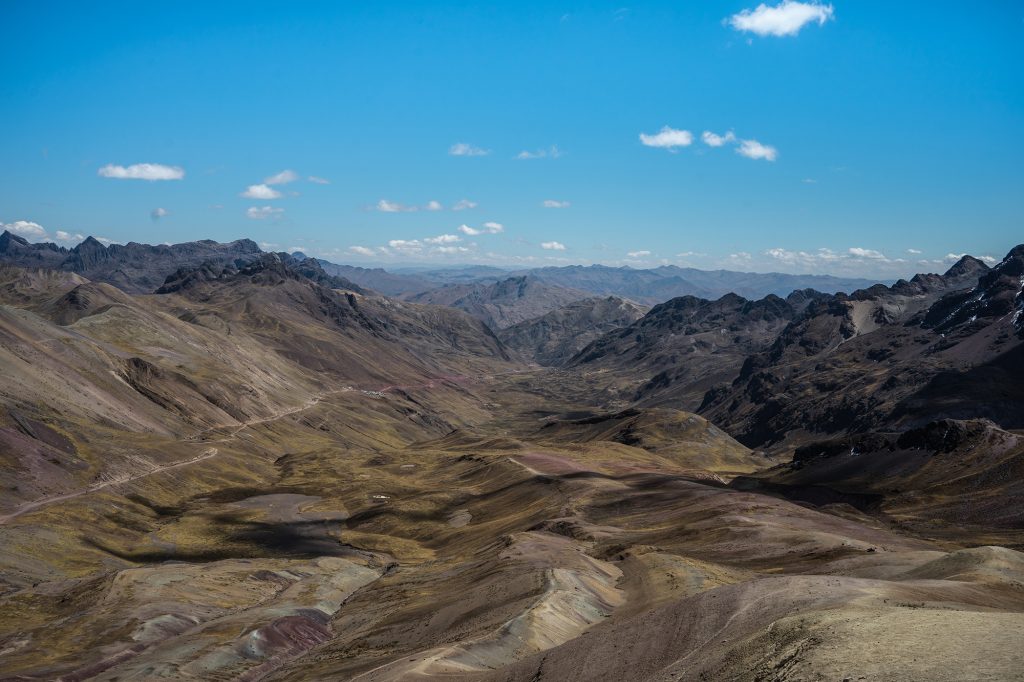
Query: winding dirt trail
pixel 235 430
pixel 42 502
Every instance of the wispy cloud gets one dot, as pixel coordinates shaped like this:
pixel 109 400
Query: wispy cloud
pixel 554 203
pixel 63 236
pixel 443 239
pixel 712 140
pixel 318 180
pixel 260 192
pixel 951 258
pixel 362 250
pixel 158 213
pixel 552 152
pixel 263 212
pixel 553 246
pixel 667 138
pixel 854 260
pixel 914 252
pixel 387 206
pixel 638 254
pixel 466 149
pixel 752 149
pixel 282 178
pixel 487 228
pixel 406 245
pixel 784 19
pixel 142 171
pixel 394 207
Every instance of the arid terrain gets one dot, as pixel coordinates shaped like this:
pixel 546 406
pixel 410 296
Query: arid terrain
pixel 223 464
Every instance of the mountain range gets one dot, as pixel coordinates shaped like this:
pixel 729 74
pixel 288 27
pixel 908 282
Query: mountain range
pixel 220 463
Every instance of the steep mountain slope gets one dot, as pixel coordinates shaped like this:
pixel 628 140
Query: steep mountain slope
pixel 557 336
pixel 682 348
pixel 886 358
pixel 944 478
pixel 132 267
pixel 504 303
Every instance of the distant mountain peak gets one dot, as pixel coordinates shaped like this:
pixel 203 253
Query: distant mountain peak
pixel 967 265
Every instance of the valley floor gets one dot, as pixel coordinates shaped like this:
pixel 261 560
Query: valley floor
pixel 509 525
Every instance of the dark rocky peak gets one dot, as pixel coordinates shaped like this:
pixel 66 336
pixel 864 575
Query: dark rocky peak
pixel 10 241
pixel 997 295
pixel 88 254
pixel 771 307
pixel 311 269
pixel 184 279
pixel 513 286
pixel 968 266
pixel 801 298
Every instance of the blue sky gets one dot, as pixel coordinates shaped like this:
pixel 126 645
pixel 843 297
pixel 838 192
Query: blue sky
pixel 857 137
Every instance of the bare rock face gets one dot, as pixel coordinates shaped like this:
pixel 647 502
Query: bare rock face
pixel 684 347
pixel 503 303
pixel 132 267
pixel 887 357
pixel 554 338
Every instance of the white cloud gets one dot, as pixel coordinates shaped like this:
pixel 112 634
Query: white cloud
pixel 443 239
pixel 954 257
pixel 106 242
pixel 142 171
pixel 406 246
pixel 866 253
pixel 294 249
pixel 752 149
pixel 25 228
pixel 464 149
pixel 319 181
pixel 741 256
pixel 63 236
pixel 263 212
pixel 487 228
pixel 809 181
pixel 260 192
pixel 689 254
pixel 638 254
pixel 451 249
pixel 667 138
pixel 553 246
pixel 268 245
pixel 393 207
pixel 915 252
pixel 158 213
pixel 282 178
pixel 785 19
pixel 463 204
pixel 553 152
pixel 361 250
pixel 852 261
pixel 712 140
pixel 554 203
